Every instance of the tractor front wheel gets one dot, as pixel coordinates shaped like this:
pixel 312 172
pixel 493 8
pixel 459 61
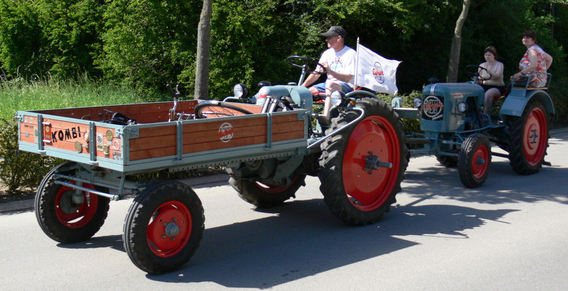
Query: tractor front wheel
pixel 474 159
pixel 264 195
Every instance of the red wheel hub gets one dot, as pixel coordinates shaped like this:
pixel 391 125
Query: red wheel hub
pixel 480 161
pixel 535 136
pixel 169 229
pixel 75 209
pixel 374 140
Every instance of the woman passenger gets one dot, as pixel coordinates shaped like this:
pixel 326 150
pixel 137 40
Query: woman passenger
pixel 535 62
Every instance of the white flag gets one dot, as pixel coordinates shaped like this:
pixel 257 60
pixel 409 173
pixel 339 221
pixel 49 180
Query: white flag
pixel 375 72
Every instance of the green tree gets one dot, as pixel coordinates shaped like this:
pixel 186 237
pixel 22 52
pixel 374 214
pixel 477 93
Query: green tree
pixel 72 30
pixel 148 43
pixel 21 39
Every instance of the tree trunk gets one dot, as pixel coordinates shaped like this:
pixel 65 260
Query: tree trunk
pixel 456 44
pixel 202 60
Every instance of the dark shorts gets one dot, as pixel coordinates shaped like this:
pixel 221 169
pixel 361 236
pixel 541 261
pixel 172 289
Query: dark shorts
pixel 500 88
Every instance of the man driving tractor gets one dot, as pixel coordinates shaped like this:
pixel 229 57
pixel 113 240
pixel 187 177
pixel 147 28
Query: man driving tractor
pixel 338 61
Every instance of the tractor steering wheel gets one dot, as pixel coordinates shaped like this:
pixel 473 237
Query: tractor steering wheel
pixel 473 71
pixel 304 63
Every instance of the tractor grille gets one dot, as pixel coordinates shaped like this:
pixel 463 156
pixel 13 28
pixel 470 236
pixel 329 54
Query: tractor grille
pixel 433 108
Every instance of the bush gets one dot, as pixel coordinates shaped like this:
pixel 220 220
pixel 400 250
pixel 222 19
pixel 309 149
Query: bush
pixel 19 169
pixel 410 125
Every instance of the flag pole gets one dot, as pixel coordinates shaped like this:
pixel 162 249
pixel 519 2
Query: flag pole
pixel 356 65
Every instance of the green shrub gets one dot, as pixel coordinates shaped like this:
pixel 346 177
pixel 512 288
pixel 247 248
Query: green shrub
pixel 18 169
pixel 410 125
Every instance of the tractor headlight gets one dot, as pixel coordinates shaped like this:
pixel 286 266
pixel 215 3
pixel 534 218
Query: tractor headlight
pixel 240 90
pixel 462 107
pixel 337 97
pixel 417 102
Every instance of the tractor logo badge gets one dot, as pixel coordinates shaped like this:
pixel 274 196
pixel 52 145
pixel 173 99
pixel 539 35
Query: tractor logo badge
pixel 378 73
pixel 433 107
pixel 226 132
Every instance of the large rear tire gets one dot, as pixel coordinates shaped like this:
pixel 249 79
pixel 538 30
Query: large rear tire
pixel 264 195
pixel 363 165
pixel 65 215
pixel 528 139
pixel 164 227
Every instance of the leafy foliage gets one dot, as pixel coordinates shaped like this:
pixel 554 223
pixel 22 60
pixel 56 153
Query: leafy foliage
pixel 145 44
pixel 21 39
pixel 148 43
pixel 71 29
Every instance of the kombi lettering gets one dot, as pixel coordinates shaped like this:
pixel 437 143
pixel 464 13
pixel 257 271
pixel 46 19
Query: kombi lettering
pixel 66 134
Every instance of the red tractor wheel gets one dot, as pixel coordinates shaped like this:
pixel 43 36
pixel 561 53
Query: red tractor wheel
pixel 474 160
pixel 528 139
pixel 363 165
pixel 164 227
pixel 67 215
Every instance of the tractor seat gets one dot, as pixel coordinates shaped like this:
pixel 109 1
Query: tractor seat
pixel 319 97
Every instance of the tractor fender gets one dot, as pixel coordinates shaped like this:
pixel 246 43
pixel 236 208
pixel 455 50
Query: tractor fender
pixel 299 94
pixel 515 103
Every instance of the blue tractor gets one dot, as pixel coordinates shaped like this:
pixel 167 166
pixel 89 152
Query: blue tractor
pixel 456 130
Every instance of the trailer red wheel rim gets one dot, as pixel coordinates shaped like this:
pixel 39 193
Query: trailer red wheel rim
pixel 75 214
pixel 169 229
pixel 535 136
pixel 369 189
pixel 480 161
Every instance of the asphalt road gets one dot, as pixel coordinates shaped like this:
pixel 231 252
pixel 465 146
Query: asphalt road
pixel 510 234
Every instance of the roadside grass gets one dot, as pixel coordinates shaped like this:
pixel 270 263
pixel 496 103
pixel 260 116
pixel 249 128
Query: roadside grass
pixel 19 94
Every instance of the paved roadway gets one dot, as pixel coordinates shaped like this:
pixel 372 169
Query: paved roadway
pixel 510 234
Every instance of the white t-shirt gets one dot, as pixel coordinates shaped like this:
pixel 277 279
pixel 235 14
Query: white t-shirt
pixel 342 61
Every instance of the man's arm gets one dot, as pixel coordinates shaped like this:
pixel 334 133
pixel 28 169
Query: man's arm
pixel 339 76
pixel 310 79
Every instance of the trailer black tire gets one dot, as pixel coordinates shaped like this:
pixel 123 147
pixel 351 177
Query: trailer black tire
pixel 263 195
pixel 447 161
pixel 163 227
pixel 528 138
pixel 353 194
pixel 474 160
pixel 63 219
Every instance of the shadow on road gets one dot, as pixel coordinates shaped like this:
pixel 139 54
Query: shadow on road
pixel 304 240
pixel 444 182
pixel 109 241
